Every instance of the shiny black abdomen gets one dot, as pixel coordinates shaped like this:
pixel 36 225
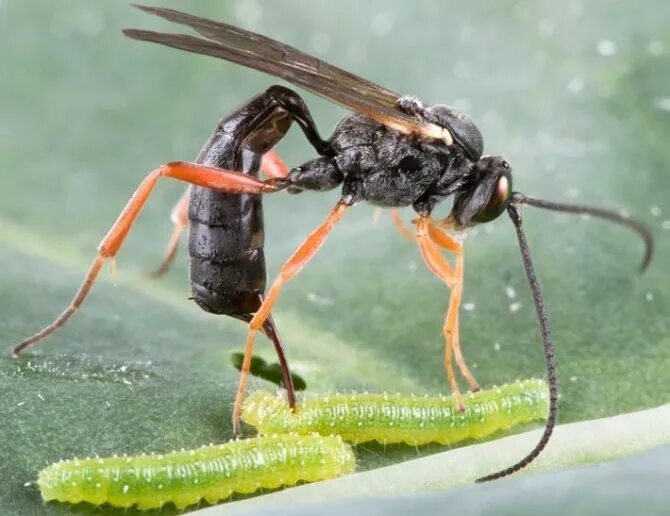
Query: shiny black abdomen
pixel 227 264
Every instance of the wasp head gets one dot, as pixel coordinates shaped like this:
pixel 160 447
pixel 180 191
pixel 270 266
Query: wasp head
pixel 486 195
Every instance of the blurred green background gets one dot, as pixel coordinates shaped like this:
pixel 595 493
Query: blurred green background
pixel 574 94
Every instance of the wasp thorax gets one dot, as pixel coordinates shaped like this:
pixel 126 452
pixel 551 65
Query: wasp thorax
pixel 461 127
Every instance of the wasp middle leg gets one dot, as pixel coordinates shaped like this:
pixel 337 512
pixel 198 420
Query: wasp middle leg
pixel 290 269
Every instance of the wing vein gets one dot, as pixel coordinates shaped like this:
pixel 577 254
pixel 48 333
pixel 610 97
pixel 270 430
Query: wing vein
pixel 264 54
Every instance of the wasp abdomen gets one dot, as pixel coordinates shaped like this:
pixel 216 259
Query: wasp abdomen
pixel 226 235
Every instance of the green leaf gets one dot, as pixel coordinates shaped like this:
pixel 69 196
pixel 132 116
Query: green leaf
pixel 575 443
pixel 574 95
pixel 270 372
pixel 618 488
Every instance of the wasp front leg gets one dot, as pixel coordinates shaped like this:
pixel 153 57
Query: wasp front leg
pixel 430 238
pixel 400 226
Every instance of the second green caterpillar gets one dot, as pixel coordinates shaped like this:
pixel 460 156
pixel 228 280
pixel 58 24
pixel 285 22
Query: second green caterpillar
pixel 210 473
pixel 396 418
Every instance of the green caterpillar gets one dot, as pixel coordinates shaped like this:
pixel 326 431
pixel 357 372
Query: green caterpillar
pixel 211 473
pixel 396 418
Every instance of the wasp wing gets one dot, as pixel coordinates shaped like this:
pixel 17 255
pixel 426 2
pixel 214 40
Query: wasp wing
pixel 267 55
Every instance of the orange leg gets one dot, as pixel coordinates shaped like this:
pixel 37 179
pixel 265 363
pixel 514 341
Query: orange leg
pixel 429 236
pixel 401 227
pixel 295 263
pixel 200 175
pixel 72 307
pixel 431 255
pixel 446 241
pixel 441 268
pixel 445 223
pixel 397 221
pixel 452 323
pixel 443 239
pixel 273 166
pixel 179 219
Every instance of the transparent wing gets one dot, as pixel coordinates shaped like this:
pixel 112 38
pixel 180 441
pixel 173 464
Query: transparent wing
pixel 267 55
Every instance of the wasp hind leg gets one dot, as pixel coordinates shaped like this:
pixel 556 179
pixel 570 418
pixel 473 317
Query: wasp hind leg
pixel 192 173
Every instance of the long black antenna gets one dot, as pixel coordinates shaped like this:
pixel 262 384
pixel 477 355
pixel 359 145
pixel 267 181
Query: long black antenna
pixel 612 216
pixel 548 353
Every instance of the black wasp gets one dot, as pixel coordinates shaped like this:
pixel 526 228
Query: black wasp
pixel 392 151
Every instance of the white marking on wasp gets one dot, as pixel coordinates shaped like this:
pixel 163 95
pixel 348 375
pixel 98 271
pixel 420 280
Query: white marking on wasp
pixel 435 132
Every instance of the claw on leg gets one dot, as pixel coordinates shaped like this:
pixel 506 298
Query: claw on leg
pixel 74 305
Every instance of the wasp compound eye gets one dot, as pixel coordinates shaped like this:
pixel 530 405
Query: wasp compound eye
pixel 497 202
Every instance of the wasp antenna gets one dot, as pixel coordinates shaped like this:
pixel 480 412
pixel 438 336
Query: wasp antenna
pixel 549 358
pixel 610 215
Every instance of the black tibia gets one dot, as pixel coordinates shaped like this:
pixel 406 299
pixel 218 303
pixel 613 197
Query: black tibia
pixel 226 235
